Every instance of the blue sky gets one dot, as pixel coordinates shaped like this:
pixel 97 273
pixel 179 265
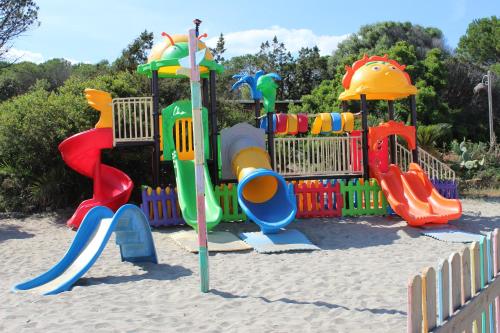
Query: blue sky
pixel 91 30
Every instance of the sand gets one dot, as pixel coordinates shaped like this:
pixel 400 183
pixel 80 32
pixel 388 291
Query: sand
pixel 356 283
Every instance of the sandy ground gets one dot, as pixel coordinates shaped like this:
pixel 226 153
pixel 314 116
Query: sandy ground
pixel 356 283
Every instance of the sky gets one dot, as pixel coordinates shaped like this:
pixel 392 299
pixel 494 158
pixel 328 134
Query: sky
pixel 93 30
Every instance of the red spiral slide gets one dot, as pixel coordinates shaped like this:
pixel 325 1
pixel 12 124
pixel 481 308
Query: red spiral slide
pixel 82 153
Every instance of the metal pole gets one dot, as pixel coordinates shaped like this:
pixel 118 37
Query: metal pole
pixel 345 106
pixel 392 138
pixel 215 130
pixel 257 112
pixel 204 93
pixel 364 138
pixel 270 137
pixel 490 110
pixel 156 129
pixel 413 108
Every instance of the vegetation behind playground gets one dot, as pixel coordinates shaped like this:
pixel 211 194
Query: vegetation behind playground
pixel 41 105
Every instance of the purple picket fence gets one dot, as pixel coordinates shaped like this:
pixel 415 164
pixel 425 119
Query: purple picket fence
pixel 161 207
pixel 447 188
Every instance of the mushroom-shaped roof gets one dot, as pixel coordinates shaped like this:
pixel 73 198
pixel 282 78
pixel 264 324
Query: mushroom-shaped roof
pixel 379 78
pixel 165 56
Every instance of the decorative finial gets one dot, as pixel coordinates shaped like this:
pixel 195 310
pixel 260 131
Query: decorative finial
pixel 197 23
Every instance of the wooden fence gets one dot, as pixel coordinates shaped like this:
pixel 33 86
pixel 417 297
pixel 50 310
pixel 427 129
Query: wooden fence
pixel 318 199
pixel 362 198
pixel 462 295
pixel 161 206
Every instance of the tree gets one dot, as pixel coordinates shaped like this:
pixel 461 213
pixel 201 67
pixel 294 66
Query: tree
pixel 16 16
pixel 135 53
pixel 276 58
pixel 310 70
pixel 219 49
pixel 56 72
pixel 481 42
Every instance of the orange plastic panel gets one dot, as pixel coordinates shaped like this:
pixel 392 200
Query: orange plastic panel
pixel 184 138
pixel 377 133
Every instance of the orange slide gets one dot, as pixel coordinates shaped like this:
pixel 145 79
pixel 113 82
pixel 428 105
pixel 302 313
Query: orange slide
pixel 413 197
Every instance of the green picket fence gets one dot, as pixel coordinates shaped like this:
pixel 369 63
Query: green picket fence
pixel 228 199
pixel 362 198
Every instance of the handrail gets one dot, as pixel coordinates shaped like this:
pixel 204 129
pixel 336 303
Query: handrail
pixel 132 119
pixel 434 168
pixel 318 156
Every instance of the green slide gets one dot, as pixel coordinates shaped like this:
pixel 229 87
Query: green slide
pixel 186 191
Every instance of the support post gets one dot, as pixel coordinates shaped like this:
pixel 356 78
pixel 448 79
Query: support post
pixel 204 93
pixel 270 137
pixel 392 138
pixel 199 158
pixel 156 129
pixel 490 111
pixel 345 106
pixel 215 129
pixel 257 112
pixel 364 125
pixel 413 108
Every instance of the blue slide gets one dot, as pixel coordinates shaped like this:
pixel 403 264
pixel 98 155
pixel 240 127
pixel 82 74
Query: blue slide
pixel 274 214
pixel 133 235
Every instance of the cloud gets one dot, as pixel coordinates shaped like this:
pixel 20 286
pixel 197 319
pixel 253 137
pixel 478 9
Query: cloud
pixel 14 54
pixel 248 41
pixel 23 55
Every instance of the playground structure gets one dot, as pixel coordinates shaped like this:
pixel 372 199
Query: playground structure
pixel 243 172
pixel 261 160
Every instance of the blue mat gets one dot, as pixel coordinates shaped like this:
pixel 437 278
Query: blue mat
pixel 452 235
pixel 286 240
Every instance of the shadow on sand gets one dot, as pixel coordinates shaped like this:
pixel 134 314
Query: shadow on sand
pixel 13 232
pixel 320 304
pixel 159 272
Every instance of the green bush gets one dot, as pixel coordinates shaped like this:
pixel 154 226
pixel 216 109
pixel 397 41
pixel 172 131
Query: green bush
pixel 33 175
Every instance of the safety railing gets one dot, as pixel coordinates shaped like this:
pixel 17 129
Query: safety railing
pixel 132 119
pixel 434 168
pixel 317 156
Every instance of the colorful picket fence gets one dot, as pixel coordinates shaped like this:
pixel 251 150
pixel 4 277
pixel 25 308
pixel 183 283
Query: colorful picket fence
pixel 161 206
pixel 362 198
pixel 462 296
pixel 318 199
pixel 227 196
pixel 448 188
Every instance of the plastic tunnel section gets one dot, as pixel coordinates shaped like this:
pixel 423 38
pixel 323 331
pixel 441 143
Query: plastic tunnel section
pixel 133 235
pixel 263 194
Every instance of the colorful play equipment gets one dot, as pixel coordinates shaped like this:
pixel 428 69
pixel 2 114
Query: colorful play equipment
pixel 270 173
pixel 410 194
pixel 133 236
pixel 178 121
pixel 263 195
pixel 82 153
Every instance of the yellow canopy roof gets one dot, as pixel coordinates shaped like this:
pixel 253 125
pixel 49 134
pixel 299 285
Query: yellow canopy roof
pixel 379 78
